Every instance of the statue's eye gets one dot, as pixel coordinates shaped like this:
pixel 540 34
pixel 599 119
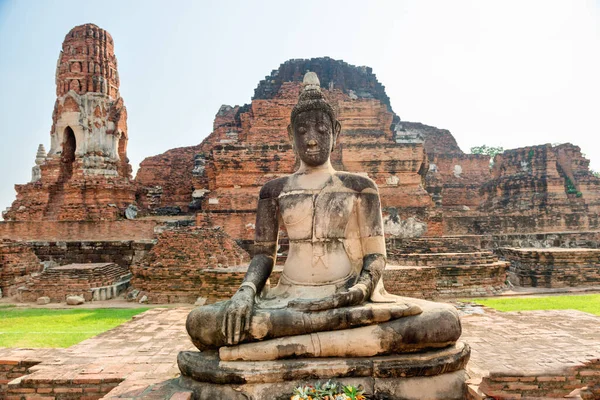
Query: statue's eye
pixel 322 128
pixel 301 130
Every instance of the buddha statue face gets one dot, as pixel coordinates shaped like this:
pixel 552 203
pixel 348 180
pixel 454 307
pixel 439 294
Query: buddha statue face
pixel 314 135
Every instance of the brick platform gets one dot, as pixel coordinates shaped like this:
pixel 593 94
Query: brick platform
pixel 553 267
pixel 533 354
pixel 99 281
pixel 133 356
pixel 555 351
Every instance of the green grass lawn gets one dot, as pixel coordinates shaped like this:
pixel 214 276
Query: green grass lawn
pixel 39 327
pixel 589 303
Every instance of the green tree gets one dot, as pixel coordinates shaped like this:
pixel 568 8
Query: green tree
pixel 487 150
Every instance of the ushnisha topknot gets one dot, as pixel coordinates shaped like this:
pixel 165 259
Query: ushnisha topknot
pixel 311 98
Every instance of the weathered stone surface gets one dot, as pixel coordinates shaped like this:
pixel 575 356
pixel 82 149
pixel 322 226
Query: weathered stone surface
pixel 207 367
pixel 43 300
pixel 75 300
pixel 436 374
pixel 86 174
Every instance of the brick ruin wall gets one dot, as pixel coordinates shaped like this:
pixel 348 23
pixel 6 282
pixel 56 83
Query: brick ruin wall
pixel 121 252
pixel 174 270
pixel 538 386
pixel 167 181
pixel 86 387
pixel 17 264
pixel 553 267
pixel 454 180
pixel 13 369
pixel 589 239
pixel 534 189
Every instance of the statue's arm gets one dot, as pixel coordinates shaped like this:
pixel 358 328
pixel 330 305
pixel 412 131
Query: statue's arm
pixel 238 314
pixel 265 244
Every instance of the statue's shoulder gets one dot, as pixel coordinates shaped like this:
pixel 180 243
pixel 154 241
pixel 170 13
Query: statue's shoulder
pixel 273 188
pixel 356 182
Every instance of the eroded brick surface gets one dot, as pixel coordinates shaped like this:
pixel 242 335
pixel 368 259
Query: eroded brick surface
pixel 18 263
pixel 179 268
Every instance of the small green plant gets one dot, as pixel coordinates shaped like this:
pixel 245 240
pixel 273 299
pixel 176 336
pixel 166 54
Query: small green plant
pixel 328 391
pixel 570 187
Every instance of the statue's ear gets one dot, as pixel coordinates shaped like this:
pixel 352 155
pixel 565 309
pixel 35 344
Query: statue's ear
pixel 290 133
pixel 337 128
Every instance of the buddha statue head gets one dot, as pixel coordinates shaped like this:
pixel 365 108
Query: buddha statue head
pixel 314 128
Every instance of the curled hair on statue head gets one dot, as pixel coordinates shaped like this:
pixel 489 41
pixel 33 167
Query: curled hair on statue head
pixel 311 98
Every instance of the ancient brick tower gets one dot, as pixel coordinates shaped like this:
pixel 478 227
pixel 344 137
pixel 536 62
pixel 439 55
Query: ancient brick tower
pixel 86 174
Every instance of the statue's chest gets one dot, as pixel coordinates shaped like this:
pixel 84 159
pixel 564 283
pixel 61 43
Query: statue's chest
pixel 316 216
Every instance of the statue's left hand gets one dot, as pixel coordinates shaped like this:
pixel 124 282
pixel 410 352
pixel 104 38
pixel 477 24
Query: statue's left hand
pixel 356 295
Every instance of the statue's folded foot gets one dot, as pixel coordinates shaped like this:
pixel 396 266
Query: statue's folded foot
pixel 436 326
pixel 204 323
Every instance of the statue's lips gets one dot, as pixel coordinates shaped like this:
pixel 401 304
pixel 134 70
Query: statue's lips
pixel 313 152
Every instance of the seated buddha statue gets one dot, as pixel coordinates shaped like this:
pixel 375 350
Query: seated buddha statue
pixel 329 300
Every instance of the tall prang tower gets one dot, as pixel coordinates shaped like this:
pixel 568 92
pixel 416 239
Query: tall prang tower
pixel 86 173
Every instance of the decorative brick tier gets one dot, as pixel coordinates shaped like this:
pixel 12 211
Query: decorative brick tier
pixel 78 230
pixel 89 280
pixel 553 267
pixel 175 270
pixel 584 239
pixel 17 263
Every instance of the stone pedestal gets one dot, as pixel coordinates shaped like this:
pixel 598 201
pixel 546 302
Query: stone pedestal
pixel 435 374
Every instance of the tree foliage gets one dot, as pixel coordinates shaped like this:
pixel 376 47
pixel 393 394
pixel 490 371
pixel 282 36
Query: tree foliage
pixel 487 150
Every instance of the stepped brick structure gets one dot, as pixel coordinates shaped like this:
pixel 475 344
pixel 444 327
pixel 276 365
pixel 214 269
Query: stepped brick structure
pixel 553 267
pixel 18 263
pixel 249 145
pixel 182 266
pixel 442 267
pixel 86 174
pixel 99 281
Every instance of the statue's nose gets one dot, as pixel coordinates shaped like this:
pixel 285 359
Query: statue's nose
pixel 312 142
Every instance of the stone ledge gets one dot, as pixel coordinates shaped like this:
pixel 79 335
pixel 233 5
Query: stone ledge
pixel 207 367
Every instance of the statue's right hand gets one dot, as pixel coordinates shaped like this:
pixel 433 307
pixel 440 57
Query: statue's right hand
pixel 238 314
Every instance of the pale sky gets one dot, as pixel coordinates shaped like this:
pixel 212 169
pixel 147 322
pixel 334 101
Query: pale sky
pixel 500 73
